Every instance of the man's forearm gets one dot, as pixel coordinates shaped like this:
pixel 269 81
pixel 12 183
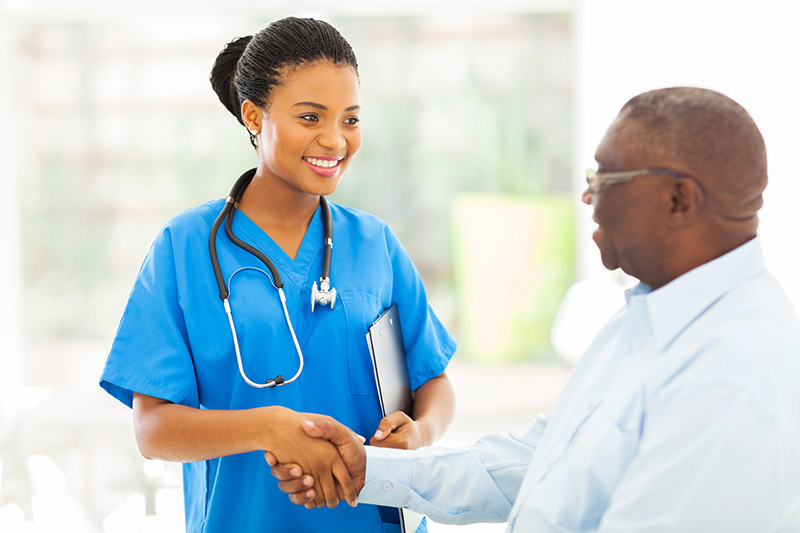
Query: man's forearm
pixel 449 485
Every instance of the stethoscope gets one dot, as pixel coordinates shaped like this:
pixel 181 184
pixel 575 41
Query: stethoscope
pixel 324 295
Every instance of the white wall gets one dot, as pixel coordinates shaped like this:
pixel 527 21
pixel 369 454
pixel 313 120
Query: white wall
pixel 10 241
pixel 748 50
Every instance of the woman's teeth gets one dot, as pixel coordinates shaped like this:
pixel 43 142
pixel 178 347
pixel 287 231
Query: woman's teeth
pixel 324 163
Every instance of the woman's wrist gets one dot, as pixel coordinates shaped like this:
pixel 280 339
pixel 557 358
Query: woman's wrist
pixel 427 431
pixel 271 421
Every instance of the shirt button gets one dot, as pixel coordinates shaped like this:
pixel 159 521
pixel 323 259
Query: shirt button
pixel 387 487
pixel 628 348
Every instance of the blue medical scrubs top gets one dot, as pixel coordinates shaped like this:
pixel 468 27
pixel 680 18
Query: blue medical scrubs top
pixel 174 342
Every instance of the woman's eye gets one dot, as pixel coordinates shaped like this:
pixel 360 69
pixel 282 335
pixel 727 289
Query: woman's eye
pixel 310 118
pixel 352 121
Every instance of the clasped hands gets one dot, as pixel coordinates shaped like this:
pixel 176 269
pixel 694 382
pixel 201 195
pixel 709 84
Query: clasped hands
pixel 316 473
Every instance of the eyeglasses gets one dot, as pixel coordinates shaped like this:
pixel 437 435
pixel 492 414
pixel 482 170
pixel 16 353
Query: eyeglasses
pixel 598 180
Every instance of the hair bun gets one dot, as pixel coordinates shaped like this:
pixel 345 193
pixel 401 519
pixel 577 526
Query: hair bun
pixel 223 73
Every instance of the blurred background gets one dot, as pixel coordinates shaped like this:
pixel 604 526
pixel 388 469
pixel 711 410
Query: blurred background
pixel 479 118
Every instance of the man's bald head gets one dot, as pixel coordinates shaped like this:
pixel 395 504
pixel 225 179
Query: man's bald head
pixel 712 138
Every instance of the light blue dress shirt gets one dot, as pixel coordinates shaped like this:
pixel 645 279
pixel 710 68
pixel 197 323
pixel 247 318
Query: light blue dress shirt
pixel 683 415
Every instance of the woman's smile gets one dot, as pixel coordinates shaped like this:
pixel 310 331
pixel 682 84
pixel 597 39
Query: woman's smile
pixel 324 166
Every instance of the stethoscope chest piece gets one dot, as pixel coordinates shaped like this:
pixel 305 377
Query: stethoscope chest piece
pixel 325 295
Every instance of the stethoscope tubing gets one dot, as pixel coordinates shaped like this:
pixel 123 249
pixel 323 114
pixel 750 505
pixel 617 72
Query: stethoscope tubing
pixel 226 215
pixel 240 184
pixel 326 258
pixel 272 382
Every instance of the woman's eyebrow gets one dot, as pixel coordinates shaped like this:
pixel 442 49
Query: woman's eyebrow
pixel 322 107
pixel 310 104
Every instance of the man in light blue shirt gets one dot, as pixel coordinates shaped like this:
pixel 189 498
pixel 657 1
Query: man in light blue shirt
pixel 684 413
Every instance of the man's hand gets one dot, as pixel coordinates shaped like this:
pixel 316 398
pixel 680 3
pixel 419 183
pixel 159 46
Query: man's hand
pixel 298 485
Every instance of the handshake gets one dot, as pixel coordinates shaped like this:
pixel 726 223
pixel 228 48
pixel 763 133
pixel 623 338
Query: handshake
pixel 321 462
pixel 328 478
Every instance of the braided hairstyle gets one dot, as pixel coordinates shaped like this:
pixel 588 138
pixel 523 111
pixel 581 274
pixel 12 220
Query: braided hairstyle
pixel 249 67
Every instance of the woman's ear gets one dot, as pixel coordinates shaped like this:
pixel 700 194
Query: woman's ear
pixel 251 116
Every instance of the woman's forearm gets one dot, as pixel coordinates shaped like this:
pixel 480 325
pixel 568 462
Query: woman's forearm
pixel 434 407
pixel 173 432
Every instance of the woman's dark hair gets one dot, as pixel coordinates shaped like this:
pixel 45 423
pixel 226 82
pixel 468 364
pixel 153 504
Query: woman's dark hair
pixel 249 67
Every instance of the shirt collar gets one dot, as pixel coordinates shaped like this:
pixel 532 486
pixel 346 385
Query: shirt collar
pixel 678 303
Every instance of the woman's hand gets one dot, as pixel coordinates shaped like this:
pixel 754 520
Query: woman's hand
pixel 316 457
pixel 301 487
pixel 434 406
pixel 398 430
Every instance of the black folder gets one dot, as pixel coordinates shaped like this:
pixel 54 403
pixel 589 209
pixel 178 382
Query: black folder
pixel 385 341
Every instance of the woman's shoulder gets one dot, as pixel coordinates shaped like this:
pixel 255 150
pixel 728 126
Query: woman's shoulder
pixel 358 220
pixel 363 228
pixel 190 227
pixel 199 218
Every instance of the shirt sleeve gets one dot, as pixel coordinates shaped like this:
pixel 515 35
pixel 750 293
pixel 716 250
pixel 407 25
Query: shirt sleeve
pixel 150 353
pixel 478 483
pixel 713 459
pixel 429 347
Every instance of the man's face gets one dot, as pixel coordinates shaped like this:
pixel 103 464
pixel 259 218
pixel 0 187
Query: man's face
pixel 630 216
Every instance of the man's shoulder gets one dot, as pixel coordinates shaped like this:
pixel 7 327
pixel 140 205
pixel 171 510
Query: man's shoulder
pixel 750 337
pixel 756 312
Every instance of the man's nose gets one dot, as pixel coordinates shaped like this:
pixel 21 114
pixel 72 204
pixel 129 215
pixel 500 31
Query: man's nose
pixel 587 196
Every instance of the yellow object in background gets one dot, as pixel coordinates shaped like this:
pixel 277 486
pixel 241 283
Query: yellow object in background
pixel 514 261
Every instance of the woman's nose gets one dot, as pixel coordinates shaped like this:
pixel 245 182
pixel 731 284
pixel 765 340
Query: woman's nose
pixel 332 139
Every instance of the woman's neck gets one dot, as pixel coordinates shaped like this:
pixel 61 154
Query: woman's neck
pixel 281 212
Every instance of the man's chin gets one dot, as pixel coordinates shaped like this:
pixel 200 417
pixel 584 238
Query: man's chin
pixel 609 260
pixel 609 265
pixel 605 257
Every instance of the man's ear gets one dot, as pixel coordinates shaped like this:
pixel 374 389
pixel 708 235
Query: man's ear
pixel 252 116
pixel 687 200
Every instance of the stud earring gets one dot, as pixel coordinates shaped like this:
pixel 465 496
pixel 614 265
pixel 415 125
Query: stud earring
pixel 253 131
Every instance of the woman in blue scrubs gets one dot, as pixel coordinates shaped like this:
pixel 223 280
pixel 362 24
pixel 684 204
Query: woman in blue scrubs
pixel 294 86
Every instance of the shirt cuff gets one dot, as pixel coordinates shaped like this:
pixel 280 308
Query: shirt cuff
pixel 388 477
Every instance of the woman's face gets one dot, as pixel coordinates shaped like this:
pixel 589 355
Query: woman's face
pixel 310 130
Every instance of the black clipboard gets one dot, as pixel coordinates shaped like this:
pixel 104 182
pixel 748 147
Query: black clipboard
pixel 385 341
